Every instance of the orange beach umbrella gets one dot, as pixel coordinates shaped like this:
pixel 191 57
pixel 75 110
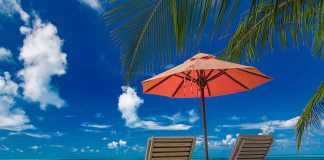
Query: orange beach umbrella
pixel 204 75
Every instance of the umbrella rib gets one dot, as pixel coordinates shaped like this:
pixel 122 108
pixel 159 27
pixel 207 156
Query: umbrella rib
pixel 238 82
pixel 209 73
pixel 185 78
pixel 158 83
pixel 217 75
pixel 208 89
pixel 190 78
pixel 253 73
pixel 176 91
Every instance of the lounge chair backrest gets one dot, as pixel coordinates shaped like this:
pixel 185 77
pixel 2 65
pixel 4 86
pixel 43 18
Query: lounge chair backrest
pixel 170 148
pixel 252 147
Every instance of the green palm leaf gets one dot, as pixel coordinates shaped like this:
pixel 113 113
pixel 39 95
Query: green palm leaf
pixel 277 21
pixel 150 31
pixel 312 114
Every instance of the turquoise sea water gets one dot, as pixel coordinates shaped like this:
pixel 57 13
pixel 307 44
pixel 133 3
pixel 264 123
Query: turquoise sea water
pixel 288 157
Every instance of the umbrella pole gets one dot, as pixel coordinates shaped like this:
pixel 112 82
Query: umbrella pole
pixel 204 121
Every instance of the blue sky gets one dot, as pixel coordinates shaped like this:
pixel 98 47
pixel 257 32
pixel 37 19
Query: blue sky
pixel 62 91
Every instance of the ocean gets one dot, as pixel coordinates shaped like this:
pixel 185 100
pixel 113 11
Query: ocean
pixel 286 157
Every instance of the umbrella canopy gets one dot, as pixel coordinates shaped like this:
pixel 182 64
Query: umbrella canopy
pixel 222 78
pixel 202 76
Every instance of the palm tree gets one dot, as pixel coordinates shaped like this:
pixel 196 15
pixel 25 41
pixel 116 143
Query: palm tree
pixel 155 32
pixel 313 114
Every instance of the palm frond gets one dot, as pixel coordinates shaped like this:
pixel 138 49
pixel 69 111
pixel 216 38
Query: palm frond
pixel 150 31
pixel 284 22
pixel 312 114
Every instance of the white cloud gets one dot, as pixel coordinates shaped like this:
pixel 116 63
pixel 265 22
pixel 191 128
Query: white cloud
pixel 11 7
pixel 5 54
pixel 94 4
pixel 43 58
pixel 138 148
pixel 59 134
pixel 75 149
pixel 114 144
pixel 225 143
pixel 86 149
pixel 174 118
pixel 98 126
pixel 113 132
pixel 122 142
pixel 4 148
pixel 35 135
pixel 56 146
pixel 234 118
pixel 217 130
pixel 129 102
pixel 35 147
pixel 229 140
pixel 11 118
pixel 178 117
pixel 199 141
pixel 193 117
pixel 90 130
pixel 104 138
pixel 268 126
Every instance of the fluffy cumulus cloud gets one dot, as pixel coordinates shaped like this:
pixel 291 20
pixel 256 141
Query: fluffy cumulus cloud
pixel 12 7
pixel 94 4
pixel 114 144
pixel 5 54
pixel 43 58
pixel 229 140
pixel 128 104
pixel 267 127
pixel 11 118
pixel 213 143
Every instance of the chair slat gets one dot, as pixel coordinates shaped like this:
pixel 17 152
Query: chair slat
pixel 170 158
pixel 258 141
pixel 255 145
pixel 171 154
pixel 250 156
pixel 253 152
pixel 172 144
pixel 173 140
pixel 171 149
pixel 252 147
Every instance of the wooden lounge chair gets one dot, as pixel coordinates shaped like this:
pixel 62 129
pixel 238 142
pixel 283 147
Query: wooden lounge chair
pixel 252 147
pixel 170 148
